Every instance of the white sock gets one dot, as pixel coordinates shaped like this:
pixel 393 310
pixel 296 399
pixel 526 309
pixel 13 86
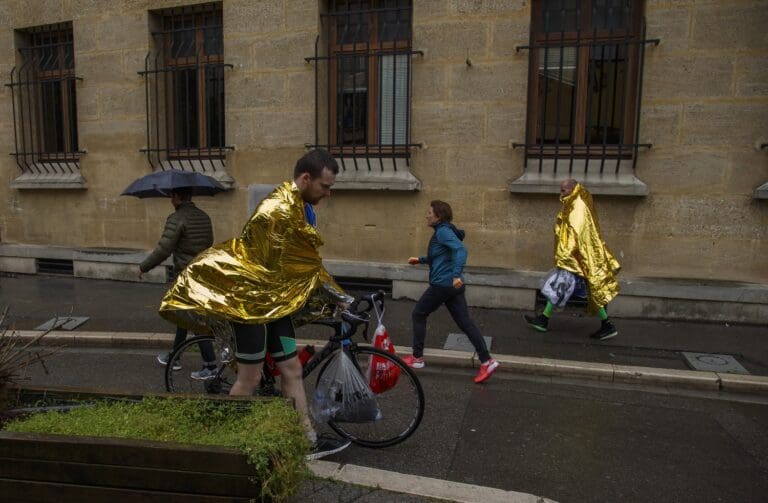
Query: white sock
pixel 312 436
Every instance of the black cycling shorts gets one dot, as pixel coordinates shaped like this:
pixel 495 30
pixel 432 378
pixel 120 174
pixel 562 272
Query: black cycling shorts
pixel 253 341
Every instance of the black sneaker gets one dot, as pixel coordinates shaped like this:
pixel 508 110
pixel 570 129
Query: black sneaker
pixel 537 322
pixel 327 445
pixel 606 331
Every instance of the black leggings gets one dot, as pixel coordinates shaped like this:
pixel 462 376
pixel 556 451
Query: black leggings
pixel 454 300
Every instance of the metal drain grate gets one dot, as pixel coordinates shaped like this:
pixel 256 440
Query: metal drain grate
pixel 460 342
pixel 714 363
pixel 55 266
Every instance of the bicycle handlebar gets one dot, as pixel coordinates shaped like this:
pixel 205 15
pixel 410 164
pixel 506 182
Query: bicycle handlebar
pixel 358 313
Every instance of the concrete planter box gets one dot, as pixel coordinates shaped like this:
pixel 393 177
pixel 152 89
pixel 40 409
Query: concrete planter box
pixel 62 468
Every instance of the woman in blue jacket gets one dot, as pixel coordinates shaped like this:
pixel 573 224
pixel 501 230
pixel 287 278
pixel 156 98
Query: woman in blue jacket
pixel 446 256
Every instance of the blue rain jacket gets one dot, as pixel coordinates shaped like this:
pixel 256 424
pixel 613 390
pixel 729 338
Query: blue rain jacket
pixel 446 255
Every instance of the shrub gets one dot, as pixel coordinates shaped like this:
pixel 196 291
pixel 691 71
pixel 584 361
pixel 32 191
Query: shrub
pixel 268 432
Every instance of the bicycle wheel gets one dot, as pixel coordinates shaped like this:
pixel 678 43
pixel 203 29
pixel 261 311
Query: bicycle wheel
pixel 402 405
pixel 189 355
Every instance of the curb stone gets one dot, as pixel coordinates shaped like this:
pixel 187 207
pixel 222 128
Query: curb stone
pixel 628 374
pixel 445 490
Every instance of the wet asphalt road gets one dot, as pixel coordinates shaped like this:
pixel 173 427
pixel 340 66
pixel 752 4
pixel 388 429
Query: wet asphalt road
pixel 566 440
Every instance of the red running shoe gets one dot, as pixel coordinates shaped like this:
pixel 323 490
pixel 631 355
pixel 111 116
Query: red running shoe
pixel 414 363
pixel 486 369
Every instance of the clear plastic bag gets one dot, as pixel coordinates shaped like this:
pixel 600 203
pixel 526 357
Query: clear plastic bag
pixel 343 394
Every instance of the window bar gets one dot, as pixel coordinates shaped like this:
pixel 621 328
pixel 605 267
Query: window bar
pixel 23 133
pixel 71 93
pixel 317 96
pixel 409 65
pixel 355 62
pixel 591 76
pixel 601 122
pixel 622 116
pixel 187 129
pixel 332 27
pixel 638 99
pixel 394 89
pixel 168 113
pixel 34 117
pixel 542 122
pixel 146 108
pixel 157 75
pixel 200 88
pixel 558 93
pixel 13 109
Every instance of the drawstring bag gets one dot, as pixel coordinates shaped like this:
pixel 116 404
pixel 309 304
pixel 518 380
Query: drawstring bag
pixel 343 395
pixel 382 373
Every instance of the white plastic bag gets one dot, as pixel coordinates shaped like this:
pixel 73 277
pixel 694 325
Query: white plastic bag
pixel 558 286
pixel 343 394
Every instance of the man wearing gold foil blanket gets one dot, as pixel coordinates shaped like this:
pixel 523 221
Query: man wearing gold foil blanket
pixel 260 279
pixel 582 262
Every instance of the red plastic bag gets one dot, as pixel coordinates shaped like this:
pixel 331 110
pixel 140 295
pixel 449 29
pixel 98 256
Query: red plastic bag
pixel 383 373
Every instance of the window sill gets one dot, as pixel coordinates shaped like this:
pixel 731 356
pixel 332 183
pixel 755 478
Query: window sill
pixel 57 181
pixel 375 174
pixel 623 183
pixel 762 191
pixel 215 168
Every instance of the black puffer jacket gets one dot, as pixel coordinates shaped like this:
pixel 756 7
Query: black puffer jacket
pixel 188 231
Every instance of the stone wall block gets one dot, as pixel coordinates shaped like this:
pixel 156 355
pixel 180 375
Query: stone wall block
pixel 507 34
pixel 684 171
pixel 506 124
pixel 301 90
pixel 675 78
pixel 302 15
pixel 101 68
pixel 724 123
pixel 448 125
pixel 249 16
pixel 485 6
pixel 752 76
pixel 747 169
pixel 122 102
pixel 490 83
pixel 671 25
pixel 428 9
pixel 283 52
pixel 270 129
pixel 454 41
pixel 478 166
pixel 730 27
pixel 660 126
pixel 429 82
pixel 255 90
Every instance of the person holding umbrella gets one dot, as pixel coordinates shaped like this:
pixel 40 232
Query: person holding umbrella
pixel 188 231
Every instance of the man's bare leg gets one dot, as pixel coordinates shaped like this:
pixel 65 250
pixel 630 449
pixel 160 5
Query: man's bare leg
pixel 293 387
pixel 248 379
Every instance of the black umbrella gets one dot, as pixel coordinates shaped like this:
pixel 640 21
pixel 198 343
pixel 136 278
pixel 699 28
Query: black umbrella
pixel 160 184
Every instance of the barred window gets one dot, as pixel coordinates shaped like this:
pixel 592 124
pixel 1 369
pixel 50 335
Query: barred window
pixel 44 102
pixel 367 70
pixel 585 82
pixel 184 84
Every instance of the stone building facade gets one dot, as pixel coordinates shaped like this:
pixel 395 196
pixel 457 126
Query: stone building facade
pixel 686 200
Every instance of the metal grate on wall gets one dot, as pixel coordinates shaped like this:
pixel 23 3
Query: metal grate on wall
pixel 44 101
pixel 54 266
pixel 363 61
pixel 184 89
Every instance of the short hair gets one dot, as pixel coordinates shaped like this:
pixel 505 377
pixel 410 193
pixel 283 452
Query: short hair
pixel 184 193
pixel 314 162
pixel 442 210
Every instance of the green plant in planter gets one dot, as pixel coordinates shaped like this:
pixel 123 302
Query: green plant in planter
pixel 268 432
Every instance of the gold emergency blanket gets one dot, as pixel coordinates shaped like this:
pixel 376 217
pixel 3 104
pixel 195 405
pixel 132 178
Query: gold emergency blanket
pixel 580 249
pixel 269 272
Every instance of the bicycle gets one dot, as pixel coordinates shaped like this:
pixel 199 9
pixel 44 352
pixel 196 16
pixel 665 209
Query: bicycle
pixel 402 405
